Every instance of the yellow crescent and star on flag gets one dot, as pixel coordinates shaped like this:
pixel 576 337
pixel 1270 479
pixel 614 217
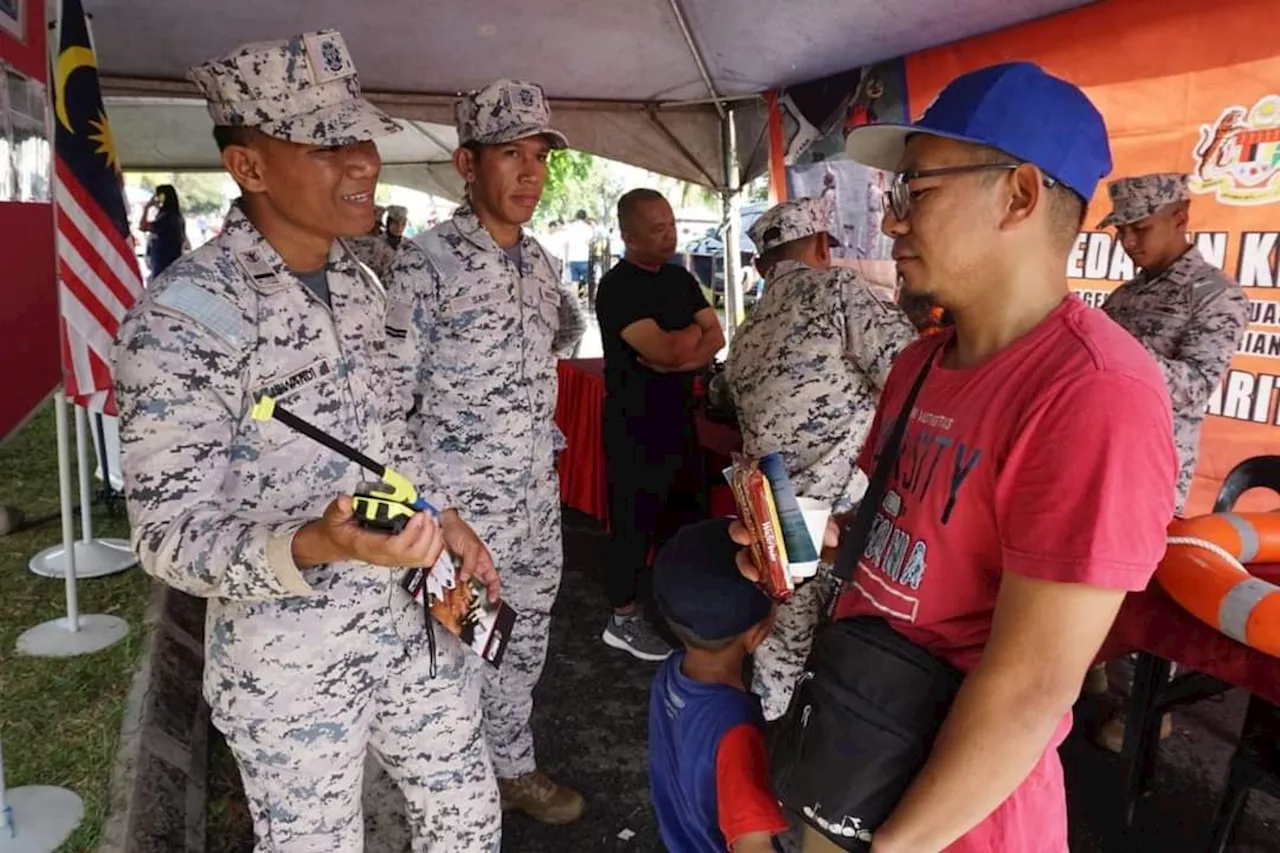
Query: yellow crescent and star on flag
pixel 70 60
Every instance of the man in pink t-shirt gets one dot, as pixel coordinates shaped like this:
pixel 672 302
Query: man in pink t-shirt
pixel 1034 482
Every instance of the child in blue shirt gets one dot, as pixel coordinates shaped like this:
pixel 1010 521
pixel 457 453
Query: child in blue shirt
pixel 708 767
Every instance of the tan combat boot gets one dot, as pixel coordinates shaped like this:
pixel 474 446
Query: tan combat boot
pixel 540 798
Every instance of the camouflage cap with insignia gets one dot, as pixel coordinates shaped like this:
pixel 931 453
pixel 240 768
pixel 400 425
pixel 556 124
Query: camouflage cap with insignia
pixel 1133 199
pixel 302 89
pixel 504 111
pixel 792 220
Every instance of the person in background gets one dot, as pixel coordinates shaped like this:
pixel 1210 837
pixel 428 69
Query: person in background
pixel 165 227
pixel 806 371
pixel 577 247
pixel 480 317
pixel 1188 314
pixel 708 766
pixel 373 249
pixel 397 220
pixel 656 329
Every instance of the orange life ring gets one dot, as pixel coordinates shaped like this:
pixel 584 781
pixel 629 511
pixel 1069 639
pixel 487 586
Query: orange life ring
pixel 1204 570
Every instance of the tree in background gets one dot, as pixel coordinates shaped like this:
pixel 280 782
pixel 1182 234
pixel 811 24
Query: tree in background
pixel 572 178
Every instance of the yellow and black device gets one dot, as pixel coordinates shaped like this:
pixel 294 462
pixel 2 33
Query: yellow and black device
pixel 387 505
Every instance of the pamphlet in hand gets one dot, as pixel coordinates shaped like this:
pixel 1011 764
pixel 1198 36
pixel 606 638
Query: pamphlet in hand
pixel 795 534
pixel 784 542
pixel 464 609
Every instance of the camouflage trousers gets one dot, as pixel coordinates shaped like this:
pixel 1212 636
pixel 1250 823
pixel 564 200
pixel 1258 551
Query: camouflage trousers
pixel 529 555
pixel 302 753
pixel 778 662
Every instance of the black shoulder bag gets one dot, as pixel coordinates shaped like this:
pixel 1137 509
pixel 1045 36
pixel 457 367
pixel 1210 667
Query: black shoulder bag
pixel 869 704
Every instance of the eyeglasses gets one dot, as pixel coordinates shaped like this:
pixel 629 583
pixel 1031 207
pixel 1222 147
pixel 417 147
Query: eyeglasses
pixel 898 199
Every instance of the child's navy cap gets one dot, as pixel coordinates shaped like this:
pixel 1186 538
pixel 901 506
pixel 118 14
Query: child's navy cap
pixel 697 584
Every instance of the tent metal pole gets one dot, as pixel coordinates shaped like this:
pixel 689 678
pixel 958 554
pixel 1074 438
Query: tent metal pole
pixel 732 202
pixel 683 23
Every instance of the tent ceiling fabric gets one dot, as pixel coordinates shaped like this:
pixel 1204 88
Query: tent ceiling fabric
pixel 172 134
pixel 619 55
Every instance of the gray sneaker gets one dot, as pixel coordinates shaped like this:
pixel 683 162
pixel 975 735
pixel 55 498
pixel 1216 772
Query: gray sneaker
pixel 633 634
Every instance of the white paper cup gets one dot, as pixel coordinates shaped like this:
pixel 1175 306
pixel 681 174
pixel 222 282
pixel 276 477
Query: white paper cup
pixel 816 514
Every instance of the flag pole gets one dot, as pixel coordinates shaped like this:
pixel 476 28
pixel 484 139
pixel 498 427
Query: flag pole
pixel 77 633
pixel 95 557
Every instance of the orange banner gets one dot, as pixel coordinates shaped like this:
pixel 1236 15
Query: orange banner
pixel 1185 86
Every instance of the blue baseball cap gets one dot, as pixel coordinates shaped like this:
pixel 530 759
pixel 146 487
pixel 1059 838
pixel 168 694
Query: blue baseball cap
pixel 1017 108
pixel 697 585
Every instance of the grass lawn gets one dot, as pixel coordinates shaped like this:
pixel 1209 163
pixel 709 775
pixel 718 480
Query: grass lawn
pixel 60 719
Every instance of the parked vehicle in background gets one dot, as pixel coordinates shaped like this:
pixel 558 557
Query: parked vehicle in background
pixel 705 258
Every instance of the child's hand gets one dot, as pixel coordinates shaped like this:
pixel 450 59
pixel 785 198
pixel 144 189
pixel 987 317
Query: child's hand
pixel 746 562
pixel 831 539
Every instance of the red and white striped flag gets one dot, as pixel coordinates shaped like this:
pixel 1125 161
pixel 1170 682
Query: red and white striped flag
pixel 97 270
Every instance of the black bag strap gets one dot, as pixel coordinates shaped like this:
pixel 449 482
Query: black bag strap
pixel 854 539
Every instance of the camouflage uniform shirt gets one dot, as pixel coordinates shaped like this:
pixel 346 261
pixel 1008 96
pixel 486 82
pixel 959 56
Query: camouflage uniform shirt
pixel 214 496
pixel 483 339
pixel 1190 317
pixel 806 371
pixel 375 252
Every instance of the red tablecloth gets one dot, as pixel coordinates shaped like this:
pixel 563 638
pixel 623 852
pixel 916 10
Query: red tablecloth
pixel 579 407
pixel 579 414
pixel 1151 621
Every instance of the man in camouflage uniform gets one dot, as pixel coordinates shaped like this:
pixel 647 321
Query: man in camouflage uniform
pixel 313 652
pixel 478 304
pixel 806 371
pixel 397 219
pixel 1187 313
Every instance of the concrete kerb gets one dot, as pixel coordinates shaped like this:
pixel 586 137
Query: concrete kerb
pixel 159 783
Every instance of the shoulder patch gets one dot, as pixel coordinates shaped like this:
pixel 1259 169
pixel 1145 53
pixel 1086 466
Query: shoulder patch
pixel 215 313
pixel 441 257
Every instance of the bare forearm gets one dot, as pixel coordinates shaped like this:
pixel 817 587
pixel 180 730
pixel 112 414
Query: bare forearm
pixel 997 724
pixel 700 359
pixel 681 347
pixel 311 547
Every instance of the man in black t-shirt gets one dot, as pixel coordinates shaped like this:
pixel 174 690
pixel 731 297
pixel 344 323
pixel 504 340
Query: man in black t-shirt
pixel 657 329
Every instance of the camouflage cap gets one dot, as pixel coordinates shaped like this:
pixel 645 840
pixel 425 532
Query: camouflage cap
pixel 792 220
pixel 397 211
pixel 504 111
pixel 1137 198
pixel 302 89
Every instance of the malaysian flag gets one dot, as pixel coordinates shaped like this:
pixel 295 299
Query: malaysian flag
pixel 97 270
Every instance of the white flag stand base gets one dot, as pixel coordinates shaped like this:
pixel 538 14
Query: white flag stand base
pixel 78 633
pixel 42 817
pixel 55 639
pixel 95 558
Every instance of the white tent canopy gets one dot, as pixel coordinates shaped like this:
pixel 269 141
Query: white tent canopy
pixel 645 82
pixel 174 135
